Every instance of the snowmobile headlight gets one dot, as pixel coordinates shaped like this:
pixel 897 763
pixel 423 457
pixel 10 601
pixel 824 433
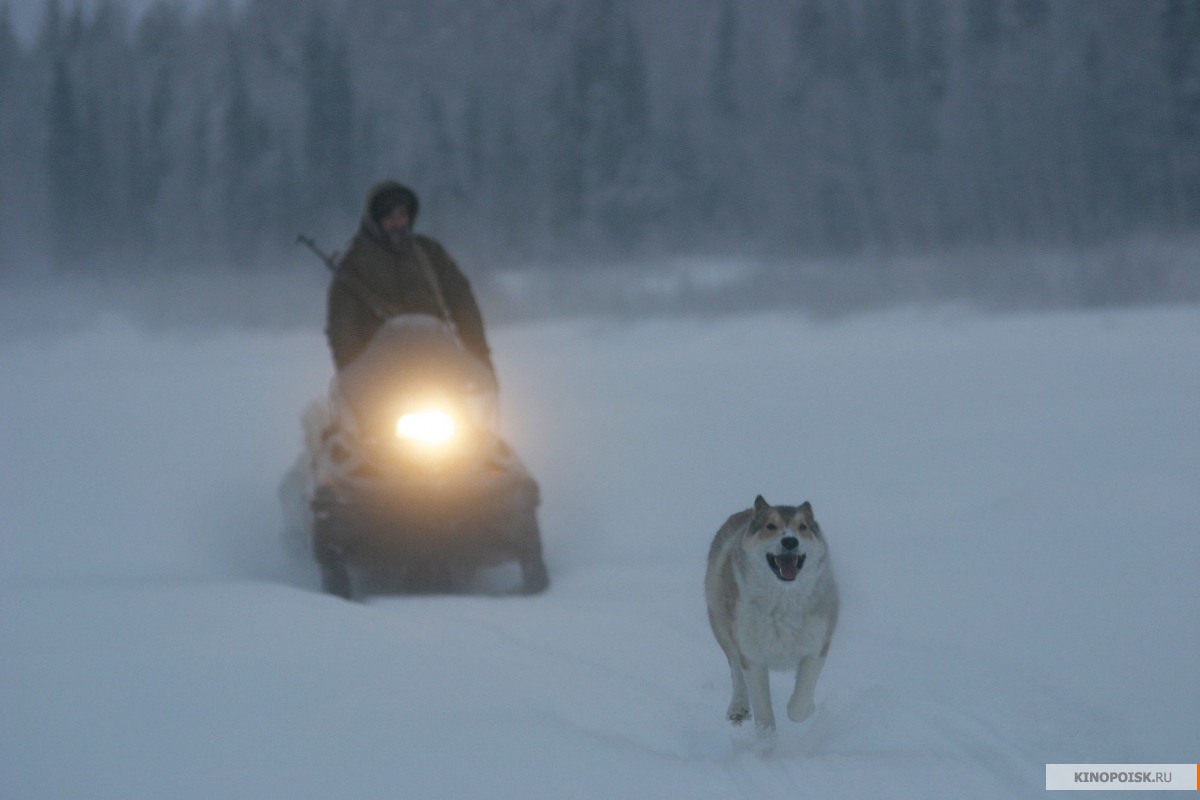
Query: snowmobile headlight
pixel 433 427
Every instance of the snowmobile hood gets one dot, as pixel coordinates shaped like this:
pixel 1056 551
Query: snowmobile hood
pixel 410 354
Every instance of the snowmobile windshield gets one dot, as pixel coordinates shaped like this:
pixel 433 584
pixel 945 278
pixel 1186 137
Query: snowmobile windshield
pixel 414 359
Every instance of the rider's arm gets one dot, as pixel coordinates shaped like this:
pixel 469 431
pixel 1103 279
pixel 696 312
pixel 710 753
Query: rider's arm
pixel 345 323
pixel 460 300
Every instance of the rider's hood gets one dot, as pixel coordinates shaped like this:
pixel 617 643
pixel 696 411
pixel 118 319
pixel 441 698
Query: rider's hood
pixel 368 223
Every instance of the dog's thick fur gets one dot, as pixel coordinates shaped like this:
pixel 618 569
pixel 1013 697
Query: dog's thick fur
pixel 773 605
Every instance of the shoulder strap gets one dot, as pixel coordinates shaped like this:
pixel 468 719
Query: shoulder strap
pixel 379 306
pixel 434 284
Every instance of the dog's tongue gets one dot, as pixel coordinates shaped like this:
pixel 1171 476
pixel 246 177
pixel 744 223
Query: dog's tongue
pixel 789 567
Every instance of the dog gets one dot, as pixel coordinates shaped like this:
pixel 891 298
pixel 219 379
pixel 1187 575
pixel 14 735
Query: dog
pixel 773 605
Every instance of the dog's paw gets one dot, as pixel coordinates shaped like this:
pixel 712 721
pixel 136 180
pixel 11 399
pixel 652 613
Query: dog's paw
pixel 738 714
pixel 766 736
pixel 798 712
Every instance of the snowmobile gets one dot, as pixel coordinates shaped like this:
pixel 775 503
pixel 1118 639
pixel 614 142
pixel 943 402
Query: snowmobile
pixel 409 486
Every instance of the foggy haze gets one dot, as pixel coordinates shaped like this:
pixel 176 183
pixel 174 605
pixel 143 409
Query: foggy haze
pixel 695 170
pixel 683 153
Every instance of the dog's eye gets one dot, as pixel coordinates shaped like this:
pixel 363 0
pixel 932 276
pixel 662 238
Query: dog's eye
pixel 801 527
pixel 771 526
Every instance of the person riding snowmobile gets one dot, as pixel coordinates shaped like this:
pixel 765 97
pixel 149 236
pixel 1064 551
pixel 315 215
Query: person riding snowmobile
pixel 389 270
pixel 408 484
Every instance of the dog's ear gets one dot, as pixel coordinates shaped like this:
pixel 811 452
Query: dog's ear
pixel 760 504
pixel 806 511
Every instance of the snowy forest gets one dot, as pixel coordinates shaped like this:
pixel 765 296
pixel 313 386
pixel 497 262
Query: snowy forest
pixel 569 132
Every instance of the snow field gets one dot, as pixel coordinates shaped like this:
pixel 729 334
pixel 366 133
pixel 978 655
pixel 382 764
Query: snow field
pixel 1010 504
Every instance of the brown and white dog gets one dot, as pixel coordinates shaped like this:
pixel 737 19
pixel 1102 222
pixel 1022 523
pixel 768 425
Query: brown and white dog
pixel 773 605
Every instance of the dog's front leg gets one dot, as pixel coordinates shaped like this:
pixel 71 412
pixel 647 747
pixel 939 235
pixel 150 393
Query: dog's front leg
pixel 739 705
pixel 800 707
pixel 758 681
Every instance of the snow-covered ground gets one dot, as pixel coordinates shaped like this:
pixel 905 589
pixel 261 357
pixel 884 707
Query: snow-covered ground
pixel 1012 504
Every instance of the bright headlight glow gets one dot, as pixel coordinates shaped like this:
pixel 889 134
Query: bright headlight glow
pixel 427 427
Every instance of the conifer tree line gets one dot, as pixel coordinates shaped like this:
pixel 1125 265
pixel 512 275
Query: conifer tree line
pixel 559 131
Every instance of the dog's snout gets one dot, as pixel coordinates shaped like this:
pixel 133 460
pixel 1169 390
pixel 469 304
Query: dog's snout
pixel 790 543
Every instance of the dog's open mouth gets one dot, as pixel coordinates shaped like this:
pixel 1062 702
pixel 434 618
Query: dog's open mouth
pixel 787 566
